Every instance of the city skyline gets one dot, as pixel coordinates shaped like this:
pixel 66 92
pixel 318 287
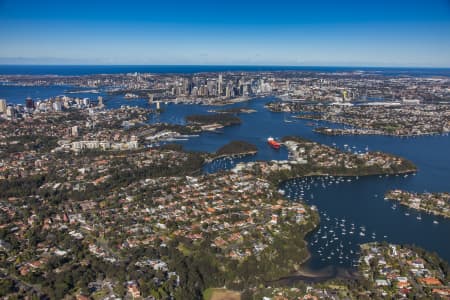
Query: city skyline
pixel 404 34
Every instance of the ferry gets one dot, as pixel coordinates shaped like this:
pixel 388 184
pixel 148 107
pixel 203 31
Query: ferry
pixel 272 143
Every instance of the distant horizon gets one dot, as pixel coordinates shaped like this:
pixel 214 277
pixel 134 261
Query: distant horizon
pixel 223 65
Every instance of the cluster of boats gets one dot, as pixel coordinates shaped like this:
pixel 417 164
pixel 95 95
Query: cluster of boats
pixel 337 240
pixel 296 188
pixel 418 217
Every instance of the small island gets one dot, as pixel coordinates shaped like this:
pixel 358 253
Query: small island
pixel 235 110
pixel 213 122
pixel 433 203
pixel 222 119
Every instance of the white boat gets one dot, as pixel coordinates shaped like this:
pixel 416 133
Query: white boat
pixel 288 121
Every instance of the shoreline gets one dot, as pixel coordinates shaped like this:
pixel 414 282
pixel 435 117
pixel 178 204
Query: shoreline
pixel 341 133
pixel 202 102
pixel 381 133
pixel 233 155
pixel 318 174
pixel 325 274
pixel 429 212
pixel 405 203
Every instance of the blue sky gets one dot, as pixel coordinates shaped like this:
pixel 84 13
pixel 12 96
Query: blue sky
pixel 344 33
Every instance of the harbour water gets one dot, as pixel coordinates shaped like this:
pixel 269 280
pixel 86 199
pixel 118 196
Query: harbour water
pixel 352 209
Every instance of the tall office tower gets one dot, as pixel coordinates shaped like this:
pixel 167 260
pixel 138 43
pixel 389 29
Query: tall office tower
pixel 2 105
pixel 228 90
pixel 244 90
pixel 194 91
pixel 10 112
pixel 57 106
pixel 100 101
pixel 186 89
pixel 219 85
pixel 29 104
pixel 211 85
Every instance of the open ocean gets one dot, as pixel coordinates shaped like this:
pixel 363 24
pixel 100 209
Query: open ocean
pixel 186 69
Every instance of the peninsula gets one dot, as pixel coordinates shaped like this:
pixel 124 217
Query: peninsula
pixel 432 203
pixel 380 119
pixel 308 158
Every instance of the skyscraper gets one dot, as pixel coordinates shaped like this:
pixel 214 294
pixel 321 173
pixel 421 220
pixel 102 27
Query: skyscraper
pixel 228 90
pixel 100 102
pixel 10 112
pixel 29 103
pixel 219 85
pixel 2 105
pixel 57 106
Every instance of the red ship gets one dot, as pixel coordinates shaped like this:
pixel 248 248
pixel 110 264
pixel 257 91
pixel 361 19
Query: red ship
pixel 272 143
